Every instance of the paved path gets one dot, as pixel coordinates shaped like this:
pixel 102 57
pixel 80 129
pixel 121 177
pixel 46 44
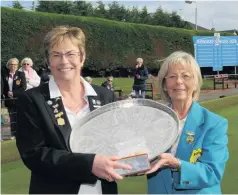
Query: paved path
pixel 214 94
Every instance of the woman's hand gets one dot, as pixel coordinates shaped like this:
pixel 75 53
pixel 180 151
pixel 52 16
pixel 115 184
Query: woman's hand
pixel 165 159
pixel 104 167
pixel 10 94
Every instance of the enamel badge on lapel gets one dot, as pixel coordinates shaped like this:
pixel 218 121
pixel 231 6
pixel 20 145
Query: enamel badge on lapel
pixel 60 121
pixel 190 138
pixel 57 111
pixel 18 82
pixel 49 102
pixel 96 103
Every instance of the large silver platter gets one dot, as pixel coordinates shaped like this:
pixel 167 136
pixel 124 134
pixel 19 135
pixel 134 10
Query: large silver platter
pixel 126 127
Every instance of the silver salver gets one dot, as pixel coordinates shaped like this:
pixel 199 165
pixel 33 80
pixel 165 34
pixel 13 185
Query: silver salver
pixel 126 127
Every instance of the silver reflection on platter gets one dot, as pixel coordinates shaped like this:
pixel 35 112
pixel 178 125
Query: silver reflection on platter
pixel 126 127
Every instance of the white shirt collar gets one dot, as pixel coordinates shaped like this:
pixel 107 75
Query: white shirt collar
pixel 55 92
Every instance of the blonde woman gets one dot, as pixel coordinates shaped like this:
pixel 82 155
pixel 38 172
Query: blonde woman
pixel 32 78
pixel 196 162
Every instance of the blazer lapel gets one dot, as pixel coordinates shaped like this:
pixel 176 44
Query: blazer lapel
pixel 15 77
pixel 190 133
pixel 58 114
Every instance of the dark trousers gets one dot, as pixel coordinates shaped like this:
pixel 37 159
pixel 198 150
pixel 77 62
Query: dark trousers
pixel 13 119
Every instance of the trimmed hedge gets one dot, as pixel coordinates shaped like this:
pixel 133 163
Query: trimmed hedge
pixel 110 44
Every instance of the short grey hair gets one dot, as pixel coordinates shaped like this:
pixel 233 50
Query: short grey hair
pixel 183 58
pixel 27 60
pixel 140 60
pixel 89 79
pixel 10 60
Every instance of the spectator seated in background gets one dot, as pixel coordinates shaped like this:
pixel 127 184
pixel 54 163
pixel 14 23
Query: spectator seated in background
pixel 44 75
pixel 109 83
pixel 32 78
pixel 89 80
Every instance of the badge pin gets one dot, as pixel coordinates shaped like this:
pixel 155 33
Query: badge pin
pixel 60 121
pixel 58 115
pixel 55 106
pixel 56 110
pixel 58 98
pixel 190 138
pixel 94 102
pixel 49 102
pixel 18 82
pixel 98 102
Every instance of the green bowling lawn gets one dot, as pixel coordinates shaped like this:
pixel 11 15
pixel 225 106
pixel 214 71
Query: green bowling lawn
pixel 126 83
pixel 15 177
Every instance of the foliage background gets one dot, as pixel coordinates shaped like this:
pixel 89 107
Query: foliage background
pixel 110 44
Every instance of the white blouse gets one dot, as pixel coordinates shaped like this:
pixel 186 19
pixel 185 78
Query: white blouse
pixel 175 145
pixel 73 118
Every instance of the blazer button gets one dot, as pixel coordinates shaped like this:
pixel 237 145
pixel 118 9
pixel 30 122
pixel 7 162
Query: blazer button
pixel 185 182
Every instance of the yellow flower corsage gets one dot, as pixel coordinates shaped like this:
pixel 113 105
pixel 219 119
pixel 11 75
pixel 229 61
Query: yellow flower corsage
pixel 195 155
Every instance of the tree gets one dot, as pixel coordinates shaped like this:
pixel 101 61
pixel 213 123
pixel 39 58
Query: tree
pixel 82 8
pixel 176 20
pixel 100 10
pixel 135 15
pixel 145 16
pixel 17 5
pixel 114 11
pixel 161 18
pixel 59 7
pixel 33 6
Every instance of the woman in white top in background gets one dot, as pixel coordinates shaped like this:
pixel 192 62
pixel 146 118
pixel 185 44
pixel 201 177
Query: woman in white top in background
pixel 32 78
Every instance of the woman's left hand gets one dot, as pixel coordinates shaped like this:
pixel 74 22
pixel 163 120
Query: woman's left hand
pixel 165 159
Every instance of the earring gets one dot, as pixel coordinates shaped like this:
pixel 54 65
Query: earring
pixel 165 89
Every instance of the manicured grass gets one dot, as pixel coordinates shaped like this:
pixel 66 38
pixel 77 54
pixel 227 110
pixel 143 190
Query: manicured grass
pixel 120 83
pixel 9 151
pixel 126 83
pixel 15 177
pixel 230 181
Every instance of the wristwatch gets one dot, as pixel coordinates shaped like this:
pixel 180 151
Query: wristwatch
pixel 178 167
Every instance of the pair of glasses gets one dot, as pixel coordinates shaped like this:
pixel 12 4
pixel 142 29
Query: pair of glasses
pixel 69 55
pixel 13 64
pixel 25 64
pixel 174 77
pixel 110 81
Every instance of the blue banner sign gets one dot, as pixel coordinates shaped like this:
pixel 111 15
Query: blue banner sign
pixel 216 51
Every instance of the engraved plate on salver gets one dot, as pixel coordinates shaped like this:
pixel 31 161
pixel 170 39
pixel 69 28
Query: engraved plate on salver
pixel 140 163
pixel 126 127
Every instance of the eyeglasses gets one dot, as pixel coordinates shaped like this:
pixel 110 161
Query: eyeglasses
pixel 25 64
pixel 174 77
pixel 109 81
pixel 13 64
pixel 71 55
